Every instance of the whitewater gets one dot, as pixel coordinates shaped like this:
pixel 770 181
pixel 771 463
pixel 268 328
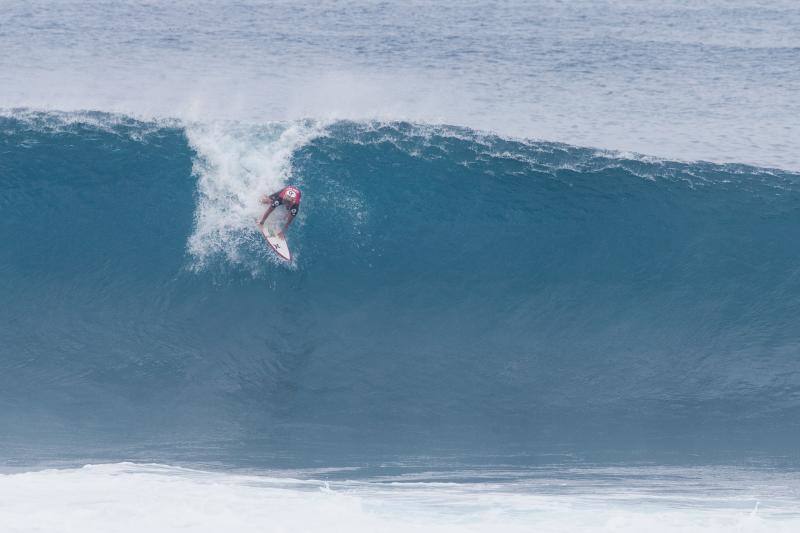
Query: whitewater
pixel 128 497
pixel 545 273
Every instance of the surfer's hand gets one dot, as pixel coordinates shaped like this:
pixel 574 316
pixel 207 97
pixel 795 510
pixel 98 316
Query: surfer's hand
pixel 281 235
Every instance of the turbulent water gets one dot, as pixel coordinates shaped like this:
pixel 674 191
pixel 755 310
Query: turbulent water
pixel 499 315
pixel 130 498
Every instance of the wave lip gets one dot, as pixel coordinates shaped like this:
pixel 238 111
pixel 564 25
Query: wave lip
pixel 716 82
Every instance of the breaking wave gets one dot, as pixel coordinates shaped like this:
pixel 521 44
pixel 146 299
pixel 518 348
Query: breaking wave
pixel 452 291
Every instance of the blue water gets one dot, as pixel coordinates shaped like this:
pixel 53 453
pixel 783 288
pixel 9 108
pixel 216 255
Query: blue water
pixel 545 271
pixel 452 293
pixel 716 80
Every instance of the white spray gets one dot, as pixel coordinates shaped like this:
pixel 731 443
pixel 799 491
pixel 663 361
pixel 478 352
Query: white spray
pixel 236 163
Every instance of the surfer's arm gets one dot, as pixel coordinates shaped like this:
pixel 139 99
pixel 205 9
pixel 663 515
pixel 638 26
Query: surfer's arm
pixel 272 199
pixel 289 219
pixel 269 198
pixel 290 216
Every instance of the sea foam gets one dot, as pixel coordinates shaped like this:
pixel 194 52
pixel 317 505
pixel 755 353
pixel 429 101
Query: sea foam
pixel 126 497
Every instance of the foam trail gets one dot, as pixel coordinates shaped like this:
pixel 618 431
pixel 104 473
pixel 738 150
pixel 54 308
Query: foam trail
pixel 235 164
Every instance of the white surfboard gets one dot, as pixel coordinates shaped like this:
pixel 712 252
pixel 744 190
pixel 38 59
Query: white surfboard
pixel 277 243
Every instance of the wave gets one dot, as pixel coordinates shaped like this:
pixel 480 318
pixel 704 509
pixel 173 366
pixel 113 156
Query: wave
pixel 452 290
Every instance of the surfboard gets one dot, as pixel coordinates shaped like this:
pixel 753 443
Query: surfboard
pixel 277 243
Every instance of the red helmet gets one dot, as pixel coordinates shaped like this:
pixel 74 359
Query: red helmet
pixel 291 195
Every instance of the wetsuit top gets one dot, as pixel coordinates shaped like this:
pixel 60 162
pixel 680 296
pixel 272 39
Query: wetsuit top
pixel 286 195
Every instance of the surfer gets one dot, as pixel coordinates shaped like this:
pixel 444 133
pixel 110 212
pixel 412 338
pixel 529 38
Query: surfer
pixel 288 197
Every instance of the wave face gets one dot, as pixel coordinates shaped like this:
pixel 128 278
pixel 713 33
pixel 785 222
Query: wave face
pixel 451 292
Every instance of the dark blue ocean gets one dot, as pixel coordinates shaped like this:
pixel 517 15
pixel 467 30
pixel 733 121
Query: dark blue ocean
pixel 545 275
pixel 451 292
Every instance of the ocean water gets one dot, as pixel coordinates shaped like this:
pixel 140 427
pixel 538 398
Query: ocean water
pixel 545 272
pixel 715 80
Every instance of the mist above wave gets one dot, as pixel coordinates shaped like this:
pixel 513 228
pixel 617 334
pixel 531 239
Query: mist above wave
pixel 715 83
